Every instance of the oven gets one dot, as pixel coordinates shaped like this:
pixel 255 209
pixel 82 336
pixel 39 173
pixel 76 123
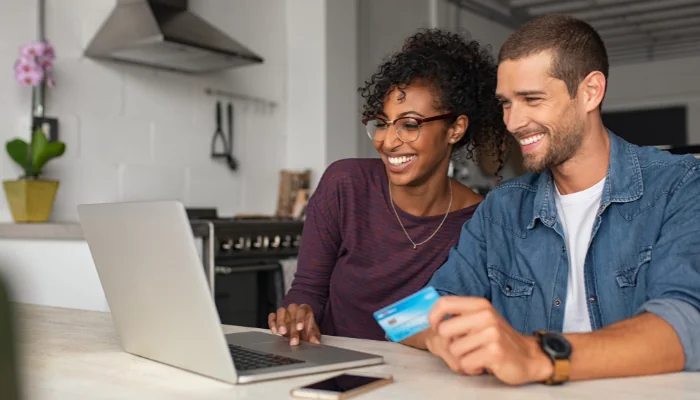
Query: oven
pixel 245 260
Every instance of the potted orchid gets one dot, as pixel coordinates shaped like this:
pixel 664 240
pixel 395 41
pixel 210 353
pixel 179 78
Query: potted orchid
pixel 30 197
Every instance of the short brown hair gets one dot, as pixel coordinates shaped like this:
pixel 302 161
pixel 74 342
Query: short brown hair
pixel 577 48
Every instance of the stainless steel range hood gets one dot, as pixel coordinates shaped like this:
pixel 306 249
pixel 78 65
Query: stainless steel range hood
pixel 164 34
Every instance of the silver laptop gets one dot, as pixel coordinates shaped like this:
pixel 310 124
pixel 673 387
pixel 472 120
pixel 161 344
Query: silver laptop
pixel 163 310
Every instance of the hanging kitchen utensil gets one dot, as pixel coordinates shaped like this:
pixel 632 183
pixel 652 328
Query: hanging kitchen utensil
pixel 219 135
pixel 232 162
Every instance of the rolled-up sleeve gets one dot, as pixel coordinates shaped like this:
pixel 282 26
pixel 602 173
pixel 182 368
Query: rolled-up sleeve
pixel 685 320
pixel 673 281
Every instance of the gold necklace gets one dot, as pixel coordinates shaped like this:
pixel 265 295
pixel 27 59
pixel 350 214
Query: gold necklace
pixel 415 245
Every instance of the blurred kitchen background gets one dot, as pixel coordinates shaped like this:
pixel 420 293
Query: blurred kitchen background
pixel 286 98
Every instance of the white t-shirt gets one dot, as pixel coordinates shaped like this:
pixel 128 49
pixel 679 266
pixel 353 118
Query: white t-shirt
pixel 577 213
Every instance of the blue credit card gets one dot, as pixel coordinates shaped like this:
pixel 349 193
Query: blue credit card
pixel 408 316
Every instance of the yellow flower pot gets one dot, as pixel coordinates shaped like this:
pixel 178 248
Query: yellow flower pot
pixel 30 200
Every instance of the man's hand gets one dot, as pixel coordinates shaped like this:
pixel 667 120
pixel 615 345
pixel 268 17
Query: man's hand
pixel 295 322
pixel 477 339
pixel 440 346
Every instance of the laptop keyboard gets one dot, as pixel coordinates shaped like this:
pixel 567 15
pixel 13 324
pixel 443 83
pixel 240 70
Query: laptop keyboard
pixel 246 359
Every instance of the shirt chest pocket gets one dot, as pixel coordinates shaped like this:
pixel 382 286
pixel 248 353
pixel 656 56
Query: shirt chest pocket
pixel 511 296
pixel 631 287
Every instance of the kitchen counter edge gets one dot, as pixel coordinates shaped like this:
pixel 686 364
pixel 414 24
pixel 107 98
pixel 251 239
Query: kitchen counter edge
pixel 42 231
pixel 70 230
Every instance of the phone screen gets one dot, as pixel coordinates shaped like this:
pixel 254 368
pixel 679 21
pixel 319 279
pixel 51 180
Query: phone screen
pixel 342 383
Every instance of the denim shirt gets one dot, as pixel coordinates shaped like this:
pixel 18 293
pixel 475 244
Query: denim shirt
pixel 644 253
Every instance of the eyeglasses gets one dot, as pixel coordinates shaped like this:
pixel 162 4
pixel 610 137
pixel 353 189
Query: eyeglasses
pixel 407 128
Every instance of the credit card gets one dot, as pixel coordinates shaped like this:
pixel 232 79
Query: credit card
pixel 408 316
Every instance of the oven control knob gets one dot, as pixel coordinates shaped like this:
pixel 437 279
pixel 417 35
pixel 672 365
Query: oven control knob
pixel 223 270
pixel 227 245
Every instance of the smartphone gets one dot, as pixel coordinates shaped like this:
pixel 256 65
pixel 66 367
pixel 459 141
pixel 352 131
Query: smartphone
pixel 341 387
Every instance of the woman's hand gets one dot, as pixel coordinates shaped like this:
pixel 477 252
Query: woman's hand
pixel 296 323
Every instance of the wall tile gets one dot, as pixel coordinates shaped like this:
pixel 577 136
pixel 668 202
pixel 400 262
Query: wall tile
pixel 84 86
pixel 172 143
pixel 217 187
pixel 64 28
pixel 99 183
pixel 152 182
pixel 159 96
pixel 260 139
pixel 18 17
pixel 115 139
pixel 69 133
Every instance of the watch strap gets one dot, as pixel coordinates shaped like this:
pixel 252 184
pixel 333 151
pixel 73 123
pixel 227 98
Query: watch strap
pixel 561 372
pixel 562 366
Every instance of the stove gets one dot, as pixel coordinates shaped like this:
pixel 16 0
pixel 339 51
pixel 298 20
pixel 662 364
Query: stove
pixel 256 240
pixel 243 262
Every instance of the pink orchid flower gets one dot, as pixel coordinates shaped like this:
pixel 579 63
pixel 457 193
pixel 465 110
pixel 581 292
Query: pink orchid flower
pixel 35 64
pixel 32 49
pixel 30 78
pixel 45 63
pixel 49 52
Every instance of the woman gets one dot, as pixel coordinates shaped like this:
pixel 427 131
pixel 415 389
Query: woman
pixel 377 229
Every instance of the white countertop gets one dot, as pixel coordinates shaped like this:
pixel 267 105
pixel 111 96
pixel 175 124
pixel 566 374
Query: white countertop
pixel 73 354
pixel 45 230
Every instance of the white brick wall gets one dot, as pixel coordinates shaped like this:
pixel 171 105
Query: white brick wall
pixel 136 133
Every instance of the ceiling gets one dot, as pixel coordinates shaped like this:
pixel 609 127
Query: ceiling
pixel 633 30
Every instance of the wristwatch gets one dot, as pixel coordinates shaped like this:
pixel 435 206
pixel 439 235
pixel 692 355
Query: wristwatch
pixel 558 349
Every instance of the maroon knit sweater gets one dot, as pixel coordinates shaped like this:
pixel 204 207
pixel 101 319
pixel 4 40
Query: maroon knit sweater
pixel 354 257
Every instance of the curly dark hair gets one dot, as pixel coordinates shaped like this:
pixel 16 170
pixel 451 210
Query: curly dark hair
pixel 463 73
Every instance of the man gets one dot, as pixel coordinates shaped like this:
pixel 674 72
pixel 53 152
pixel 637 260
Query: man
pixel 600 241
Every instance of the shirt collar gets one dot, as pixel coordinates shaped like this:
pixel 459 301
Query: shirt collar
pixel 623 182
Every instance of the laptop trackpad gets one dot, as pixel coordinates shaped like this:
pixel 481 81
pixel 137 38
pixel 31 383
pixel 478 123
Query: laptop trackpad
pixel 314 353
pixel 248 338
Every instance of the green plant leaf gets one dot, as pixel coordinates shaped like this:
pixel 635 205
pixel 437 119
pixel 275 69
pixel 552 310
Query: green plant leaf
pixel 52 150
pixel 18 150
pixel 43 151
pixel 39 142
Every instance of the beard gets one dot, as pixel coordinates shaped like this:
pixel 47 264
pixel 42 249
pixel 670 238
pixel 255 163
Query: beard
pixel 563 144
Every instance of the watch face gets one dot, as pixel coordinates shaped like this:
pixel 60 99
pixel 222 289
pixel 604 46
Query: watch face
pixel 557 344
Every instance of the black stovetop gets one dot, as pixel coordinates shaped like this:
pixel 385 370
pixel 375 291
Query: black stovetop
pixel 246 239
